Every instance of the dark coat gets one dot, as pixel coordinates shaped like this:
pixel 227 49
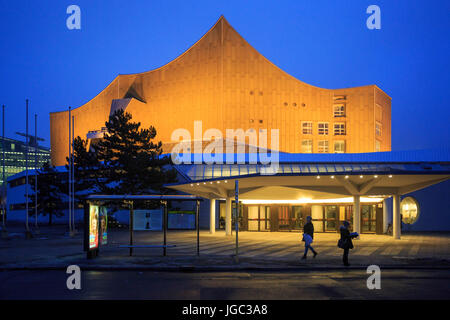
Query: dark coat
pixel 308 228
pixel 346 238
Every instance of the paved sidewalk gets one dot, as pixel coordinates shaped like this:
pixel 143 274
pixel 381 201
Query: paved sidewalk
pixel 53 248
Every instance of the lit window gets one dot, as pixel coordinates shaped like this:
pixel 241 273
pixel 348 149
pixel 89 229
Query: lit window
pixel 323 146
pixel 339 146
pixel 307 146
pixel 338 98
pixel 307 127
pixel 323 128
pixel 409 210
pixel 339 110
pixel 378 128
pixel 377 146
pixel 339 129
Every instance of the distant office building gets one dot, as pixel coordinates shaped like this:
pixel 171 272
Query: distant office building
pixel 15 156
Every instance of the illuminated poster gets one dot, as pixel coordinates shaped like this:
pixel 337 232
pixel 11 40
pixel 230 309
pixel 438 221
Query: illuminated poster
pixel 103 215
pixel 147 219
pixel 93 227
pixel 181 220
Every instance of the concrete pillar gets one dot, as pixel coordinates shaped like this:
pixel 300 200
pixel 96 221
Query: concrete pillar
pixel 385 216
pixel 228 216
pixel 356 214
pixel 396 223
pixel 212 216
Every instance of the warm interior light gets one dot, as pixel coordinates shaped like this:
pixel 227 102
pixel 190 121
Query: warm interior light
pixel 318 177
pixel 375 176
pixel 332 177
pixel 361 177
pixel 390 176
pixel 312 201
pixel 346 177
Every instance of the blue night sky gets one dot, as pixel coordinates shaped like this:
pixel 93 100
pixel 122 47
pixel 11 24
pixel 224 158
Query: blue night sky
pixel 324 43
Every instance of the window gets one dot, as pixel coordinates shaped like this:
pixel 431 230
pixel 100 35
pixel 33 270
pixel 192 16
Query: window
pixel 307 146
pixel 307 127
pixel 339 98
pixel 339 110
pixel 377 146
pixel 409 210
pixel 323 128
pixel 378 129
pixel 323 146
pixel 339 146
pixel 339 129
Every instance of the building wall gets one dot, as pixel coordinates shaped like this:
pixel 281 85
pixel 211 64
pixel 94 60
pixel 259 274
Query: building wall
pixel 434 203
pixel 223 81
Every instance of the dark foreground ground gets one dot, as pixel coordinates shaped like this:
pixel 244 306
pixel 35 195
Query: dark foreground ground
pixel 338 284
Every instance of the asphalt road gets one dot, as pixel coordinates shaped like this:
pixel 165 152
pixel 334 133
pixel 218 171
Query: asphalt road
pixel 339 284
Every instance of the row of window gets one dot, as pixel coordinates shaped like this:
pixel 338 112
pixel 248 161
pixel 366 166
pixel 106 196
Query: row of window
pixel 323 146
pixel 323 128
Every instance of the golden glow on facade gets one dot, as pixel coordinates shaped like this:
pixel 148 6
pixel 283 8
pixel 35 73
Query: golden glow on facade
pixel 224 82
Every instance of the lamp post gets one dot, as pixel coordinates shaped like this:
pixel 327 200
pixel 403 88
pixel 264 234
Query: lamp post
pixel 236 219
pixel 74 230
pixel 70 178
pixel 4 185
pixel 35 177
pixel 27 232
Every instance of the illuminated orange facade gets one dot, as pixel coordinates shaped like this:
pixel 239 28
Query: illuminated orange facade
pixel 224 82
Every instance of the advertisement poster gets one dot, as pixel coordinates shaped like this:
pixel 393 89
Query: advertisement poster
pixel 148 219
pixel 103 214
pixel 181 220
pixel 93 227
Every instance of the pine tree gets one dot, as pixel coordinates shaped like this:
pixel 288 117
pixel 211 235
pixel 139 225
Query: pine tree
pixel 125 161
pixel 49 192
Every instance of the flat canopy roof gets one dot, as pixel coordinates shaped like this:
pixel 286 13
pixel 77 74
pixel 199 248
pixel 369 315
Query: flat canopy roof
pixel 143 197
pixel 317 176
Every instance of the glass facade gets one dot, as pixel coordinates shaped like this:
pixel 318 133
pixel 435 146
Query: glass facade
pixel 325 217
pixel 15 161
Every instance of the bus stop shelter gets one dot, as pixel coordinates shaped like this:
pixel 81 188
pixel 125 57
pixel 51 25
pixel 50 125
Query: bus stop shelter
pixel 130 199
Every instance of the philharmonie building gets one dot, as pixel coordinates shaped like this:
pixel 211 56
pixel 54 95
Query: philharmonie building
pixel 334 145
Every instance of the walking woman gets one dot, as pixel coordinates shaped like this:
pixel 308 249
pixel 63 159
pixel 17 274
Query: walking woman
pixel 346 242
pixel 308 235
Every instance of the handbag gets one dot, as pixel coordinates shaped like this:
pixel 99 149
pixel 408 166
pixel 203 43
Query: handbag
pixel 342 243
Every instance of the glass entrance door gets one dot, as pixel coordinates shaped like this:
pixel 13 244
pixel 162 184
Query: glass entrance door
pixel 297 218
pixel 331 218
pixel 283 218
pixel 253 218
pixel 368 218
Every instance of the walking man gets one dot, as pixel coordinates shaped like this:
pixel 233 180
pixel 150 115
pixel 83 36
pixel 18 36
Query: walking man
pixel 308 235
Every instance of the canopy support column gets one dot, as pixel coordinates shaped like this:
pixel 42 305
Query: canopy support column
pixel 356 214
pixel 212 216
pixel 396 223
pixel 228 216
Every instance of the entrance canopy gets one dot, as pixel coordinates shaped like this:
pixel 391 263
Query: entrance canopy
pixel 306 178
